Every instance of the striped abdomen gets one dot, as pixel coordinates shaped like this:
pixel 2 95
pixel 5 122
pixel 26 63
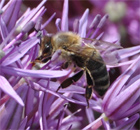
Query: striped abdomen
pixel 99 74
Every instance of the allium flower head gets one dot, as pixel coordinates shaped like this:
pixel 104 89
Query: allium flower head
pixel 28 97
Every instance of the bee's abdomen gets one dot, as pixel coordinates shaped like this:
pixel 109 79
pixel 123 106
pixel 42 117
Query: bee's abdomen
pixel 99 74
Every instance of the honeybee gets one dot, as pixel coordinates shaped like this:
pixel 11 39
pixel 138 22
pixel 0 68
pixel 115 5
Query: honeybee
pixel 85 57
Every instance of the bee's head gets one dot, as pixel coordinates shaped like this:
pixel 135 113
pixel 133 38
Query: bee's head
pixel 46 46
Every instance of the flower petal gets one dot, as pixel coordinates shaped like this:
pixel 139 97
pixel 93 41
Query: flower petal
pixel 57 23
pixel 120 81
pixel 90 116
pixel 120 105
pixel 11 112
pixel 64 22
pixel 3 29
pixel 132 110
pixel 127 52
pixel 48 21
pixel 14 16
pixel 23 124
pixel 34 73
pixel 83 24
pixel 8 89
pixel 129 124
pixel 21 51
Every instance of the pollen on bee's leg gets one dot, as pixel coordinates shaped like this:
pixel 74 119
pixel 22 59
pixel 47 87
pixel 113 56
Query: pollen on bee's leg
pixel 35 61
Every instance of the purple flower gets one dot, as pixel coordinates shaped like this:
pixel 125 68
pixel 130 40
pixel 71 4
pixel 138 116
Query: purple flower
pixel 121 102
pixel 28 97
pixel 125 19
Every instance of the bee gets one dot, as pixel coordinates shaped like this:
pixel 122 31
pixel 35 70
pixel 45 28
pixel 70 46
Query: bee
pixel 85 57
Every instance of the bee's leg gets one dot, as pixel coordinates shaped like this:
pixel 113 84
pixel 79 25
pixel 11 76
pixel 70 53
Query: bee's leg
pixel 89 88
pixel 70 80
pixel 65 65
pixel 40 59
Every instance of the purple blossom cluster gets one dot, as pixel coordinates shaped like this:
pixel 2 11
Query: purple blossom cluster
pixel 124 17
pixel 28 97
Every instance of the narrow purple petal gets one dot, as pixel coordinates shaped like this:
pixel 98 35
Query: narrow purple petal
pixel 129 124
pixel 133 109
pixel 3 29
pixel 6 116
pixel 43 105
pixel 38 10
pixel 28 27
pixel 95 33
pixel 102 22
pixel 127 52
pixel 58 103
pixel 70 115
pixel 10 51
pixel 8 12
pixel 70 127
pixel 13 41
pixel 23 124
pixel 21 51
pixel 33 15
pixel 38 87
pixel 57 23
pixel 40 110
pixel 8 89
pixel 90 116
pixel 34 73
pixel 46 107
pixel 48 21
pixel 93 104
pixel 71 119
pixel 106 124
pixel 123 104
pixel 61 118
pixel 8 38
pixel 83 24
pixel 38 14
pixel 100 25
pixel 38 24
pixel 64 22
pixel 94 24
pixel 14 15
pixel 121 64
pixel 99 37
pixel 95 21
pixel 75 121
pixel 29 100
pixel 72 89
pixel 28 128
pixel 120 81
pixel 75 25
pixel 95 124
pixel 17 117
pixel 1 3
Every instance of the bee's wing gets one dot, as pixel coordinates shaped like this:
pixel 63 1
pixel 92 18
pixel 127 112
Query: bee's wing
pixel 107 50
pixel 101 44
pixel 85 52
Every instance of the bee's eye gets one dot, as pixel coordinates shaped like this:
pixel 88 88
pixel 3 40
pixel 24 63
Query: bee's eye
pixel 64 47
pixel 47 46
